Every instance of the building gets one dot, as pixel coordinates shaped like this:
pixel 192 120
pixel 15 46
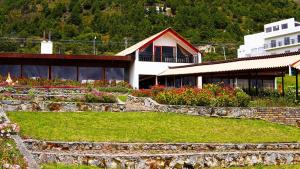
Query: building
pixel 278 37
pixel 165 58
pixel 156 54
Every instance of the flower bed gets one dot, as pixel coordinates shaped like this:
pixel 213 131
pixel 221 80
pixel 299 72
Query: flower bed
pixel 211 95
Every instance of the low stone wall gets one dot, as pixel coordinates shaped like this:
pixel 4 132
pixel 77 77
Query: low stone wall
pixel 163 155
pixel 284 115
pixel 106 147
pixel 169 161
pixel 14 105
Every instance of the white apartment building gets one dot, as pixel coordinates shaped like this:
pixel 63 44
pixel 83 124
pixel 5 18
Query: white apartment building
pixel 278 37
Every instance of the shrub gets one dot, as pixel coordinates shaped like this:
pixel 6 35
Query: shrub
pixel 98 97
pixel 118 89
pixel 142 93
pixel 242 98
pixel 211 95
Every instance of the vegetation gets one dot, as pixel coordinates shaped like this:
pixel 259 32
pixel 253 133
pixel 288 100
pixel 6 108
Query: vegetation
pixel 61 166
pixel 211 95
pixel 99 97
pixel 123 98
pixel 148 127
pixel 10 157
pixel 113 20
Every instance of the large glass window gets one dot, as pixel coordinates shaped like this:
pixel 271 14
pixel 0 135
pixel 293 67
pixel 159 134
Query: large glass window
pixel 115 74
pixel 35 71
pixel 146 54
pixel 189 81
pixel 168 54
pixel 64 72
pixel 90 73
pixel 14 70
pixel 298 37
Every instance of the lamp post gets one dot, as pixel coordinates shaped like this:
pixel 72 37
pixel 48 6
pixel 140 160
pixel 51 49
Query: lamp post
pixel 94 43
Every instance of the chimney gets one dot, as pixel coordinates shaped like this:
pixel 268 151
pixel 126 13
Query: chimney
pixel 47 46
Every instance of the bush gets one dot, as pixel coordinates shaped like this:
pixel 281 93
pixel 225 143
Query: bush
pixel 242 98
pixel 98 97
pixel 142 93
pixel 115 89
pixel 210 95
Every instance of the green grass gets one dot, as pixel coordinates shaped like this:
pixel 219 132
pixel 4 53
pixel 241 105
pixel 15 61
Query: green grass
pixel 123 98
pixel 61 166
pixel 288 81
pixel 10 154
pixel 148 127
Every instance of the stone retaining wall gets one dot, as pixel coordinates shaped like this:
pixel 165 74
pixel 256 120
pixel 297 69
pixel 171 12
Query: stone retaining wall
pixel 36 145
pixel 14 105
pixel 163 155
pixel 284 115
pixel 170 161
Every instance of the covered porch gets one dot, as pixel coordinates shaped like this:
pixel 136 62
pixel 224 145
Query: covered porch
pixel 250 74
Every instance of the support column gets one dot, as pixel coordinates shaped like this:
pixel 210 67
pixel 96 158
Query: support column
pixel 156 80
pixel 49 73
pixel 256 85
pixel 249 85
pixel 282 84
pixel 199 82
pixel 77 73
pixel 297 92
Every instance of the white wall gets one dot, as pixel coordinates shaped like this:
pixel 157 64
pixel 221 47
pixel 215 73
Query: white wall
pixel 155 68
pixel 46 47
pixel 253 45
pixel 260 44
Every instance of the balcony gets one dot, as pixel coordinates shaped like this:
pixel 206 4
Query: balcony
pixel 281 44
pixel 185 59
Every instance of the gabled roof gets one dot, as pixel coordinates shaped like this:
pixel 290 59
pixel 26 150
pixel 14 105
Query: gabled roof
pixel 152 38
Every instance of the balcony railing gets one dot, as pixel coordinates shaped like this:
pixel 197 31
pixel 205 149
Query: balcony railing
pixel 281 43
pixel 187 59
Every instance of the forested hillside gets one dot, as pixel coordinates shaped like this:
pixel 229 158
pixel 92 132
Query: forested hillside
pixel 201 21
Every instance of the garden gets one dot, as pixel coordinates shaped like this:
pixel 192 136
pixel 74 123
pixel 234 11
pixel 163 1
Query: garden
pixel 148 127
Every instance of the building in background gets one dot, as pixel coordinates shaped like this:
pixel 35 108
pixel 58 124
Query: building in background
pixel 278 37
pixel 156 54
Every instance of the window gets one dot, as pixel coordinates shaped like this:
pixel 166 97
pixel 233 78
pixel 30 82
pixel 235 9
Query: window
pixel 64 72
pixel 165 53
pixel 13 70
pixel 280 43
pixel 284 26
pixel 35 71
pixel 273 43
pixel 298 37
pixel 286 40
pixel 276 28
pixel 287 51
pixel 292 41
pixel 269 29
pixel 115 74
pixel 90 73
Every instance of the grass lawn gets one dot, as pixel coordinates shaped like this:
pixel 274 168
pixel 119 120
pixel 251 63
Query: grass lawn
pixel 123 98
pixel 148 127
